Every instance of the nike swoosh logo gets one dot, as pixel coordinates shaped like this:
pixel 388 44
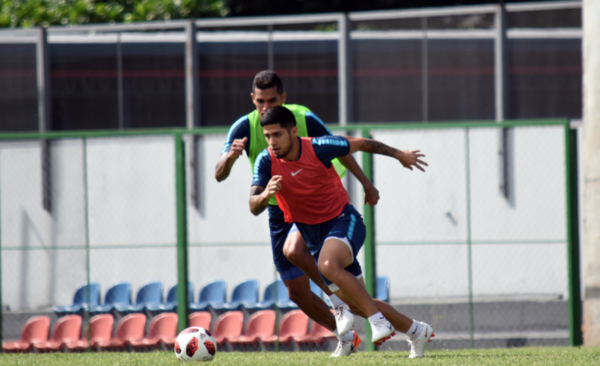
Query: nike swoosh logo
pixel 294 173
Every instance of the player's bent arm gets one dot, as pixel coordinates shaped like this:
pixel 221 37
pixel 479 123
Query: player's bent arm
pixel 258 201
pixel 407 158
pixel 224 165
pixel 371 193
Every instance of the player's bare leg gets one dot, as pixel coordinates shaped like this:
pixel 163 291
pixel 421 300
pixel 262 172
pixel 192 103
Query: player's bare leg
pixel 313 306
pixel 335 256
pixel 296 251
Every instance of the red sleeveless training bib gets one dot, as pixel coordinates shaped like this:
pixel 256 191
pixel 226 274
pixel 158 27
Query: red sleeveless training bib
pixel 311 193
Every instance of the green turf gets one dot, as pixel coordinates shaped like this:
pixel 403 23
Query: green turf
pixel 516 356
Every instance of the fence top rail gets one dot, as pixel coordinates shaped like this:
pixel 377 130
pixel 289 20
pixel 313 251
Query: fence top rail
pixel 215 130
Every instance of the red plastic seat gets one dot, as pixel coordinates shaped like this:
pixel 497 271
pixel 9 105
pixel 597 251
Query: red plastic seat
pixel 260 325
pixel 66 329
pixel 294 323
pixel 228 325
pixel 199 319
pixel 101 329
pixel 318 334
pixel 131 327
pixel 35 330
pixel 163 326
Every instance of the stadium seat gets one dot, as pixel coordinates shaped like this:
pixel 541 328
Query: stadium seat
pixel 214 294
pixel 171 304
pixel 151 293
pixel 318 334
pixel 383 289
pixel 34 331
pixel 162 327
pixel 294 323
pixel 198 319
pixel 261 324
pixel 228 325
pixel 119 294
pixel 80 300
pixel 283 300
pixel 131 327
pixel 100 328
pixel 66 329
pixel 244 294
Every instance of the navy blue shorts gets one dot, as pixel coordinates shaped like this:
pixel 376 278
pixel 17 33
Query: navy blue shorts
pixel 279 232
pixel 348 226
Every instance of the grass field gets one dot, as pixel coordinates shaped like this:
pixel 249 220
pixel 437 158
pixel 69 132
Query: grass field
pixel 514 356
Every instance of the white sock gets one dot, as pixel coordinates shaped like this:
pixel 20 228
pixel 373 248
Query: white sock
pixel 376 317
pixel 415 330
pixel 345 338
pixel 335 301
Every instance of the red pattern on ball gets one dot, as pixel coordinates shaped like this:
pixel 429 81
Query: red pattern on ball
pixel 191 347
pixel 210 347
pixel 177 348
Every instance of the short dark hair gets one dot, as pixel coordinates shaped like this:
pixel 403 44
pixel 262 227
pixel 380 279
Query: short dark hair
pixel 267 79
pixel 280 115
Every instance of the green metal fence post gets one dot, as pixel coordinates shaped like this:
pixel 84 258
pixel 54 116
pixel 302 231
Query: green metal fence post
pixel 1 304
pixel 370 270
pixel 575 334
pixel 182 273
pixel 87 239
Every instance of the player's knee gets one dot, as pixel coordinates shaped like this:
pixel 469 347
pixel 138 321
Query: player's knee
pixel 294 252
pixel 329 269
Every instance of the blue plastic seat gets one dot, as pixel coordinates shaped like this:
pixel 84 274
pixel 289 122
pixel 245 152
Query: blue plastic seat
pixel 383 289
pixel 316 289
pixel 151 293
pixel 119 294
pixel 270 299
pixel 80 300
pixel 244 294
pixel 213 294
pixel 171 303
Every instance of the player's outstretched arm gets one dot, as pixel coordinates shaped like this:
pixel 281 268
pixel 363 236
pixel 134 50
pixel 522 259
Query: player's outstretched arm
pixel 371 193
pixel 260 196
pixel 227 160
pixel 408 158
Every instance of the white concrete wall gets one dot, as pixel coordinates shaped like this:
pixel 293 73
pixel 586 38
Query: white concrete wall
pixel 421 219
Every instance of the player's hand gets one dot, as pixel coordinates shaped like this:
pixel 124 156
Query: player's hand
pixel 410 158
pixel 371 195
pixel 237 148
pixel 273 186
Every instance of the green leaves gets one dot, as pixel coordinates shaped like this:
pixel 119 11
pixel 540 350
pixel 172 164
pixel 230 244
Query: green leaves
pixel 29 13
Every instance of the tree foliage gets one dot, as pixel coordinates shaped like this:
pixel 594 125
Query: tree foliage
pixel 28 13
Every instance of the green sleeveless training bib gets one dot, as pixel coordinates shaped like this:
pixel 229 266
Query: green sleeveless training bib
pixel 258 142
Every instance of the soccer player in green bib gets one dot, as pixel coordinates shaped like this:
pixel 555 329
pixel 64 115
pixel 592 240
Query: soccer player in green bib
pixel 290 253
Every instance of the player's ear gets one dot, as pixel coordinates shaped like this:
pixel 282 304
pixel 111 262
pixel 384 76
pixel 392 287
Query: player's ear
pixel 283 96
pixel 294 132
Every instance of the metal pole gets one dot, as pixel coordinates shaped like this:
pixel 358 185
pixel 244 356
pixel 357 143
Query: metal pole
pixel 344 71
pixel 425 72
pixel 271 57
pixel 43 81
pixel 370 273
pixel 87 234
pixel 192 101
pixel 120 82
pixel 182 241
pixel 575 334
pixel 469 252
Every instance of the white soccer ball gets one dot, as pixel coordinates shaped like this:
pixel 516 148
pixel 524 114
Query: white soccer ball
pixel 195 344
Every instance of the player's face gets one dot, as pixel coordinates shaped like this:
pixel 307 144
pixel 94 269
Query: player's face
pixel 267 99
pixel 280 140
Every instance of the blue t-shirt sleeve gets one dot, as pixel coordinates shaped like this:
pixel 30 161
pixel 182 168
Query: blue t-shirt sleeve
pixel 314 126
pixel 239 130
pixel 328 148
pixel 262 169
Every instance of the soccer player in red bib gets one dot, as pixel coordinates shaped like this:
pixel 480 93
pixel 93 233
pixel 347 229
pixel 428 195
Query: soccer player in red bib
pixel 299 173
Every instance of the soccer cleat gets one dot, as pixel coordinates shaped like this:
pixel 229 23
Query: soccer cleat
pixel 418 345
pixel 382 330
pixel 344 319
pixel 347 348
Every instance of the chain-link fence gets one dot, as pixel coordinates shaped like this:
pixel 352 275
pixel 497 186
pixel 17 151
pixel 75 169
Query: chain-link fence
pixel 484 267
